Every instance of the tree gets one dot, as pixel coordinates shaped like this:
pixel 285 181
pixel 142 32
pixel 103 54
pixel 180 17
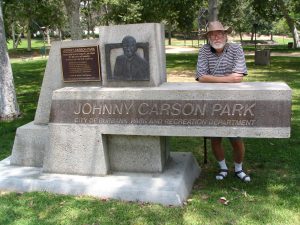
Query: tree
pixel 290 21
pixel 73 10
pixel 8 102
pixel 239 15
pixel 32 16
pixel 276 9
pixel 212 10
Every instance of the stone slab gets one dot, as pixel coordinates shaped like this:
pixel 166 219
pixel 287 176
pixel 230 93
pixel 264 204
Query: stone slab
pixel 152 33
pixel 262 57
pixel 267 109
pixel 53 78
pixel 76 149
pixel 29 145
pixel 134 153
pixel 171 187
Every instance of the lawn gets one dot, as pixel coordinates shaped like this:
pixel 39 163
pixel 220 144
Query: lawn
pixel 272 197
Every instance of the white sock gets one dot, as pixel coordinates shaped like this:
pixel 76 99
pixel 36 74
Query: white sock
pixel 223 166
pixel 238 167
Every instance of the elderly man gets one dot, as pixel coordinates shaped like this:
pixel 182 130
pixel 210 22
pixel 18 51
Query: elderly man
pixel 222 62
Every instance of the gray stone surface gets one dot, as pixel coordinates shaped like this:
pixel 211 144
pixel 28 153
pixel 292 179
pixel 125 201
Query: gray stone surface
pixel 279 94
pixel 152 33
pixel 53 78
pixel 76 149
pixel 137 153
pixel 183 91
pixel 29 145
pixel 262 57
pixel 169 188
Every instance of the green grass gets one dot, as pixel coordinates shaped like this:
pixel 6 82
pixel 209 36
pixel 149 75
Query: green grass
pixel 28 79
pixel 272 197
pixel 21 50
pixel 35 43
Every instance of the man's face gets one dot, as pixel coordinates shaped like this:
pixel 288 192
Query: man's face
pixel 129 48
pixel 217 39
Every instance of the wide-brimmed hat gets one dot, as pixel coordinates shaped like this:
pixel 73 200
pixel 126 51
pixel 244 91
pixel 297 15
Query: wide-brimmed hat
pixel 217 25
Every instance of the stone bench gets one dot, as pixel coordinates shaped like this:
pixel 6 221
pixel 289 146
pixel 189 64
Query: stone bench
pixel 253 109
pixel 125 129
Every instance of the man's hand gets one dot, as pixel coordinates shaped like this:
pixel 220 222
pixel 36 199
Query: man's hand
pixel 234 78
pixel 228 78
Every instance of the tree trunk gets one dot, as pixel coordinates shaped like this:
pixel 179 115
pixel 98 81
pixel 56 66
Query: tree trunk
pixel 241 36
pixel 240 33
pixel 18 40
pixel 73 10
pixel 291 23
pixel 272 39
pixel 170 34
pixel 13 34
pixel 106 12
pixel 295 37
pixel 28 37
pixel 212 10
pixel 48 36
pixel 252 34
pixel 8 102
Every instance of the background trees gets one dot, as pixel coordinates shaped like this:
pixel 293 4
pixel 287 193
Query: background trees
pixel 178 15
pixel 23 17
pixel 265 14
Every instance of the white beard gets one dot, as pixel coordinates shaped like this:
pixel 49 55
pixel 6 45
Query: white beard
pixel 218 45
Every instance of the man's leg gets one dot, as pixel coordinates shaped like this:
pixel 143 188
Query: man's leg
pixel 238 156
pixel 217 148
pixel 238 149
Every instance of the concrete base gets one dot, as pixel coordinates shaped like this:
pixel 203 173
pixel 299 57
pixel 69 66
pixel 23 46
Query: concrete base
pixel 143 154
pixel 171 187
pixel 29 146
pixel 77 150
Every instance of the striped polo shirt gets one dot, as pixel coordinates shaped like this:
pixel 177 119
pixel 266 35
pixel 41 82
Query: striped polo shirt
pixel 232 60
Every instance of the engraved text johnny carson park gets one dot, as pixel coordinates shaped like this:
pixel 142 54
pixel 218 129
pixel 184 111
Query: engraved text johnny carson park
pixel 186 113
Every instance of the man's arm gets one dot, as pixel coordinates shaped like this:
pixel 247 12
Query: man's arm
pixel 230 78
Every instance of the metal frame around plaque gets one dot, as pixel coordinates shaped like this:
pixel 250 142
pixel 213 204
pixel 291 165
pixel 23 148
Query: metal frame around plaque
pixel 97 57
pixel 109 47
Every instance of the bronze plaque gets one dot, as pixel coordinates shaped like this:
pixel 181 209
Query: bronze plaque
pixel 201 113
pixel 80 64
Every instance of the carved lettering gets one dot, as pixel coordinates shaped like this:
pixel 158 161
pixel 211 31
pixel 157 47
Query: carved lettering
pixel 176 109
pixel 237 108
pixel 142 109
pixel 127 108
pixel 216 108
pixel 167 112
pixel 249 109
pixel 165 108
pixel 86 108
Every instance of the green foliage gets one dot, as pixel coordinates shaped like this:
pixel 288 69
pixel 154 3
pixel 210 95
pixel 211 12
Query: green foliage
pixel 280 27
pixel 178 13
pixel 125 12
pixel 33 15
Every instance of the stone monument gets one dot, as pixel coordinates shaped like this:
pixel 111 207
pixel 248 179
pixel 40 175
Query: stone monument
pixel 103 131
pixel 262 57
